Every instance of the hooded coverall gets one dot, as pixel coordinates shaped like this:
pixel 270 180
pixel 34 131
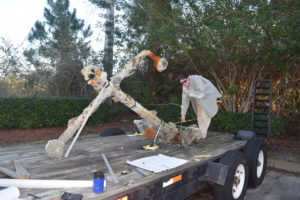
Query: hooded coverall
pixel 203 95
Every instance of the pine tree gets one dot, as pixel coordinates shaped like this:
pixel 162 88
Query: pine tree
pixel 61 48
pixel 109 38
pixel 109 6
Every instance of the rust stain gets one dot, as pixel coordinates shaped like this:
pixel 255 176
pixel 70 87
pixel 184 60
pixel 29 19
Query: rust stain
pixel 150 133
pixel 99 74
pixel 177 137
pixel 155 60
pixel 92 82
pixel 141 58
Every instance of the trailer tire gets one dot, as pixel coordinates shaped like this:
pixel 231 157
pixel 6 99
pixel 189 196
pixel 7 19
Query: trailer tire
pixel 256 155
pixel 236 180
pixel 111 132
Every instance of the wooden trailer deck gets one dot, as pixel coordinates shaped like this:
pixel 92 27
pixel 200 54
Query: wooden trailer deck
pixel 85 158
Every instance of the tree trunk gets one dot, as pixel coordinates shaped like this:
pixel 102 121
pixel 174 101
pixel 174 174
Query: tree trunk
pixel 240 78
pixel 109 38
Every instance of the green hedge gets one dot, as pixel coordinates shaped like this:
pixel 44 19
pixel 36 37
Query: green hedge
pixel 223 121
pixel 36 112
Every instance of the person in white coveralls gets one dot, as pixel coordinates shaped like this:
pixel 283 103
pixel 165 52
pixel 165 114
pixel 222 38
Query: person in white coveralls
pixel 203 95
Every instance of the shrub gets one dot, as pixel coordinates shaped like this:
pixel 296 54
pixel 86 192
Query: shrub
pixel 279 125
pixel 36 112
pixel 171 112
pixel 223 121
pixel 231 121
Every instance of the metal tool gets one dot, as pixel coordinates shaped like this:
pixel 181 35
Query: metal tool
pixel 113 175
pixel 34 196
pixel 71 196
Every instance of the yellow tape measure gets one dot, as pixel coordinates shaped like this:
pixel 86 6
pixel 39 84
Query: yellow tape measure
pixel 202 156
pixel 151 147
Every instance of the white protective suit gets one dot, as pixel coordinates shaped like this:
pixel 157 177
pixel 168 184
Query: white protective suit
pixel 203 95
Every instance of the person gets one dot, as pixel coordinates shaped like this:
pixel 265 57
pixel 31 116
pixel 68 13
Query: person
pixel 203 95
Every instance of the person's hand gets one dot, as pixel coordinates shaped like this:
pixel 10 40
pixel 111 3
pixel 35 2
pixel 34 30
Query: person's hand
pixel 182 118
pixel 185 90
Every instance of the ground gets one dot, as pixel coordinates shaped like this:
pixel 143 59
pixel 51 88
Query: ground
pixel 277 185
pixel 17 136
pixel 286 147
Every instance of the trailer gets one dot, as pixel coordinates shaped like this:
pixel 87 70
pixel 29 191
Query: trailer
pixel 230 165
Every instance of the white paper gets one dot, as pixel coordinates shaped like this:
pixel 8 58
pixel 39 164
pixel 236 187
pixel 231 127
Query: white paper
pixel 158 163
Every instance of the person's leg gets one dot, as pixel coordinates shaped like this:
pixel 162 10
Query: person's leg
pixel 203 121
pixel 197 134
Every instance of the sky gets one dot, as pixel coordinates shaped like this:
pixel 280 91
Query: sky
pixel 17 17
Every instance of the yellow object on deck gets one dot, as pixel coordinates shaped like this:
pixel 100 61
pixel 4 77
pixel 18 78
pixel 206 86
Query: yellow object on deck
pixel 151 147
pixel 202 156
pixel 139 134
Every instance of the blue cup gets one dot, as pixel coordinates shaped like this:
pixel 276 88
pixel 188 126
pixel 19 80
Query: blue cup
pixel 99 182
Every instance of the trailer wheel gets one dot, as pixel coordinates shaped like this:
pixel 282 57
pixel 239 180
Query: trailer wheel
pixel 256 155
pixel 237 177
pixel 111 132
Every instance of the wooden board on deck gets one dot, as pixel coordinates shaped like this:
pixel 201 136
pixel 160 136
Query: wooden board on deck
pixel 85 159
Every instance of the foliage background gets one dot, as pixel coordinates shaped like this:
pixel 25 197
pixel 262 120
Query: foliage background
pixel 46 112
pixel 230 42
pixel 37 112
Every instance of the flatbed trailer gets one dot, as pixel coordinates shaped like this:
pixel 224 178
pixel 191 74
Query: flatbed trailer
pixel 85 159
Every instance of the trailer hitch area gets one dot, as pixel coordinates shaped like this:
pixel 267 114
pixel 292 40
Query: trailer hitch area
pixel 215 172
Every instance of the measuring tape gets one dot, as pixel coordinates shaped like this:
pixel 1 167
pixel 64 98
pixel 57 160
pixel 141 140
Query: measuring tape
pixel 151 147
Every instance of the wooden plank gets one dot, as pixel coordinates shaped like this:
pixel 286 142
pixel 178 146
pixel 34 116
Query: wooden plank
pixel 86 159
